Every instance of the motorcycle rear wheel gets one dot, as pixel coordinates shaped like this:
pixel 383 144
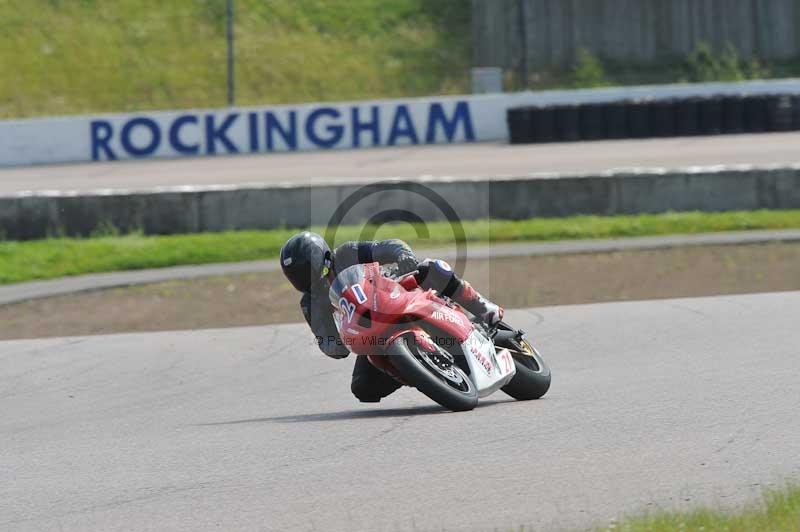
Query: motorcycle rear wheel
pixel 451 388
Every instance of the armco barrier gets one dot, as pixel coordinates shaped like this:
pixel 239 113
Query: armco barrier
pixel 664 117
pixel 30 216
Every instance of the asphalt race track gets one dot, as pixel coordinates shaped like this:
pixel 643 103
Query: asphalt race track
pixel 465 160
pixel 655 404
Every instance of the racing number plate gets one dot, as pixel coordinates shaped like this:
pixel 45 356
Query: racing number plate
pixel 505 362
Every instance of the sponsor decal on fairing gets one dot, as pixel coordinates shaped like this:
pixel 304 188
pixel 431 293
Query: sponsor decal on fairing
pixel 361 297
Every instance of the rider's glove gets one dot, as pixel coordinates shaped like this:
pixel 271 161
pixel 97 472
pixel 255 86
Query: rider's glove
pixel 493 314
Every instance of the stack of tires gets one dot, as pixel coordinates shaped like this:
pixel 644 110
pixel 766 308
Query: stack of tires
pixel 654 118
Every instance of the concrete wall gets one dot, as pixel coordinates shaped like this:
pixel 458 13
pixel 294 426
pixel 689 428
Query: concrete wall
pixel 355 125
pixel 29 216
pixel 537 33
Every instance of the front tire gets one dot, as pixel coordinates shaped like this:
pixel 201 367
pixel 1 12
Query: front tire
pixel 532 379
pixel 450 387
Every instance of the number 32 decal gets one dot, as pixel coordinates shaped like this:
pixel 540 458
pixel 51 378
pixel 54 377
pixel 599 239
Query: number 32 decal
pixel 349 308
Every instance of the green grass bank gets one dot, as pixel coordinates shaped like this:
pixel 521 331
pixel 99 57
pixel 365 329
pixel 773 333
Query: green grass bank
pixel 62 57
pixel 80 56
pixel 52 258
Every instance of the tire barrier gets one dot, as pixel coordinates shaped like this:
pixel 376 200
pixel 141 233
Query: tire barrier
pixel 520 125
pixel 640 119
pixel 710 118
pixel 568 124
pixel 592 122
pixel 616 119
pixel 687 117
pixel 779 113
pixel 544 124
pixel 755 114
pixel 796 112
pixel 663 115
pixel 732 114
pixel 655 118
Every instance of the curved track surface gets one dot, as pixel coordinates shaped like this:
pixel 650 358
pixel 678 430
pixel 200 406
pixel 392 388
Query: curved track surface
pixel 464 160
pixel 654 404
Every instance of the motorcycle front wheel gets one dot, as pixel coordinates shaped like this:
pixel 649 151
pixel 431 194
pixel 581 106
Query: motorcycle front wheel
pixel 532 379
pixel 433 374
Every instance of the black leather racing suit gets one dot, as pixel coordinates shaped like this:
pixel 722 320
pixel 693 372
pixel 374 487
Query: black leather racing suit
pixel 370 384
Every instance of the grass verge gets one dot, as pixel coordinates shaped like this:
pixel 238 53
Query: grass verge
pixel 58 257
pixel 778 511
pixel 79 56
pixel 87 56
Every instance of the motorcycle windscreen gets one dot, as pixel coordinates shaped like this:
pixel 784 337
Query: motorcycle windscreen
pixel 354 275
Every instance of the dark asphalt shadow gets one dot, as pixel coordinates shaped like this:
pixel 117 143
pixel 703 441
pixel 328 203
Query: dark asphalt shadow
pixel 345 415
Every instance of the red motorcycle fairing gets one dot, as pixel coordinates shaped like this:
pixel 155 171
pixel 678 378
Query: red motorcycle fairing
pixel 372 308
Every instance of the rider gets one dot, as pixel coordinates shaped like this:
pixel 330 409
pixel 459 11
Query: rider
pixel 310 265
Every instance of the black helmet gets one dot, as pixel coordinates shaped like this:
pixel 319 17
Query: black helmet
pixel 305 260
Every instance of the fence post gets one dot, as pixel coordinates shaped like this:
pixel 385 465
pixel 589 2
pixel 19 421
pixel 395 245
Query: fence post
pixel 231 63
pixel 523 37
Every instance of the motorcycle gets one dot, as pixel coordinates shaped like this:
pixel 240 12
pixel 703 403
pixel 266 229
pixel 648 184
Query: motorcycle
pixel 426 341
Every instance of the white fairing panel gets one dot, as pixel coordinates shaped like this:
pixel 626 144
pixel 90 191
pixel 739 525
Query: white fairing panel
pixel 489 371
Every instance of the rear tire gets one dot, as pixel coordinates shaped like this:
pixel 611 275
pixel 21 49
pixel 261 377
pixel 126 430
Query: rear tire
pixel 414 370
pixel 532 379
